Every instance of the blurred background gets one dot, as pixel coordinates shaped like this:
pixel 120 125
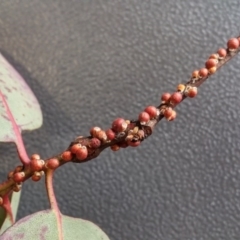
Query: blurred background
pixel 89 62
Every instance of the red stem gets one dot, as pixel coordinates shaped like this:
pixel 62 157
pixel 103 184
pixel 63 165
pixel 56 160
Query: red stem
pixel 9 184
pixel 7 206
pixel 53 201
pixel 18 141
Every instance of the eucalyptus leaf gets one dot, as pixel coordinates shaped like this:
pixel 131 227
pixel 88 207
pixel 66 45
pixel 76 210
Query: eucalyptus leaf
pixel 22 104
pixel 43 225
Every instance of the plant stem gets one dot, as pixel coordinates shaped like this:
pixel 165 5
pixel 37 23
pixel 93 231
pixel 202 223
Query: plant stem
pixel 7 206
pixel 148 128
pixel 53 201
pixel 18 137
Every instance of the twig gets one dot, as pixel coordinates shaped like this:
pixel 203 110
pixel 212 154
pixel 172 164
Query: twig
pixel 53 201
pixel 125 133
pixel 19 142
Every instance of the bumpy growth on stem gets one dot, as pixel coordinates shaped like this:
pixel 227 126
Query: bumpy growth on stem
pixel 124 133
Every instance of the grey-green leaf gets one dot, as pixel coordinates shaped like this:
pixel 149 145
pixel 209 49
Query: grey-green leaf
pixel 22 103
pixel 43 225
